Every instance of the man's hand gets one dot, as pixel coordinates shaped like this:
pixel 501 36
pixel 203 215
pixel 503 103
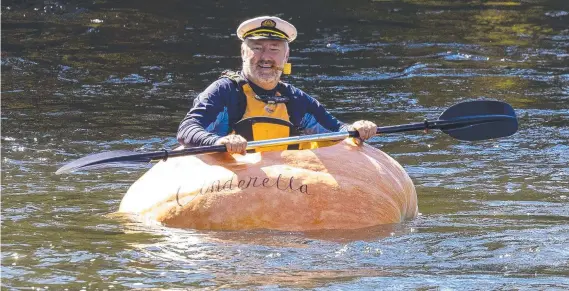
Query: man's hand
pixel 234 143
pixel 366 129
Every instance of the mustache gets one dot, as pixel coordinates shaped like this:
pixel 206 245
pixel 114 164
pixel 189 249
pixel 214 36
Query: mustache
pixel 273 65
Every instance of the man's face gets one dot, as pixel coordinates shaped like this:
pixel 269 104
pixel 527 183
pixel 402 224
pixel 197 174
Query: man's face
pixel 263 59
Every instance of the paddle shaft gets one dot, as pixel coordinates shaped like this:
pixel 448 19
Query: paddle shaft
pixel 433 124
pixel 471 120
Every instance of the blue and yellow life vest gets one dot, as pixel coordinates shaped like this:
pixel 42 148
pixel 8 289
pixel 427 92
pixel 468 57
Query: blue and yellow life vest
pixel 265 117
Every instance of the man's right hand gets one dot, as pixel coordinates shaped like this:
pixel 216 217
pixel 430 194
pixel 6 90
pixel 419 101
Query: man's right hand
pixel 234 143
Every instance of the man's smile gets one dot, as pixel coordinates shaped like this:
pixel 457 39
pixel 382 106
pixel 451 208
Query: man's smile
pixel 266 65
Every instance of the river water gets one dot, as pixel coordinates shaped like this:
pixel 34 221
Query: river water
pixel 82 77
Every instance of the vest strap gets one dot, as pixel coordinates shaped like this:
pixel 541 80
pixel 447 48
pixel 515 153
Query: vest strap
pixel 233 76
pixel 246 127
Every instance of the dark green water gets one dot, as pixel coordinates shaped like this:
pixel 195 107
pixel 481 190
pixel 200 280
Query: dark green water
pixel 81 77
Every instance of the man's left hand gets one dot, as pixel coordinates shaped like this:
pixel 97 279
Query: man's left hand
pixel 366 129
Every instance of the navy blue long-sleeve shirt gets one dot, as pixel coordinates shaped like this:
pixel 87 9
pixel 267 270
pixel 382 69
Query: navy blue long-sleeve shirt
pixel 216 110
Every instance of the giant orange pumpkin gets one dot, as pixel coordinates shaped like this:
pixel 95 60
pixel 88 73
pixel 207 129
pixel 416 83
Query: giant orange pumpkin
pixel 343 186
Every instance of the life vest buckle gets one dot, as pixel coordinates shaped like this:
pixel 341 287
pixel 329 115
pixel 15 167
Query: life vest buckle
pixel 270 108
pixel 272 99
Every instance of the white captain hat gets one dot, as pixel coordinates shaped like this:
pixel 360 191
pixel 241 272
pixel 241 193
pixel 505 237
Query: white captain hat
pixel 266 27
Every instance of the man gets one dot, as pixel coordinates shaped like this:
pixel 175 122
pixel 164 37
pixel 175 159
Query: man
pixel 254 104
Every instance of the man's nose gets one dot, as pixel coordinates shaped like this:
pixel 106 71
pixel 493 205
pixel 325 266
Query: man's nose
pixel 264 54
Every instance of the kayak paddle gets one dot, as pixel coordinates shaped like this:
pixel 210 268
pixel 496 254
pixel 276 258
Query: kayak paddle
pixel 470 120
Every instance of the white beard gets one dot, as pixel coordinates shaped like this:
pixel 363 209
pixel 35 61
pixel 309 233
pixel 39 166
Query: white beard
pixel 254 71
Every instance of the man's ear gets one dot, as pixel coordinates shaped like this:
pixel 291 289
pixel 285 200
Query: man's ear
pixel 243 44
pixel 287 55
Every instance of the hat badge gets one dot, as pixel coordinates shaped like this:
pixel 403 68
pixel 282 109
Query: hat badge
pixel 268 23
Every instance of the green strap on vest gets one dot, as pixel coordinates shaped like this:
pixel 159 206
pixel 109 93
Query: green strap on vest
pixel 234 76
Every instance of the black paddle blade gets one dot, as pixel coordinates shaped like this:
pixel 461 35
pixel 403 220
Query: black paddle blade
pixel 482 120
pixel 107 158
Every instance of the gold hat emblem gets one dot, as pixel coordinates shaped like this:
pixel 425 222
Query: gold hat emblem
pixel 268 23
